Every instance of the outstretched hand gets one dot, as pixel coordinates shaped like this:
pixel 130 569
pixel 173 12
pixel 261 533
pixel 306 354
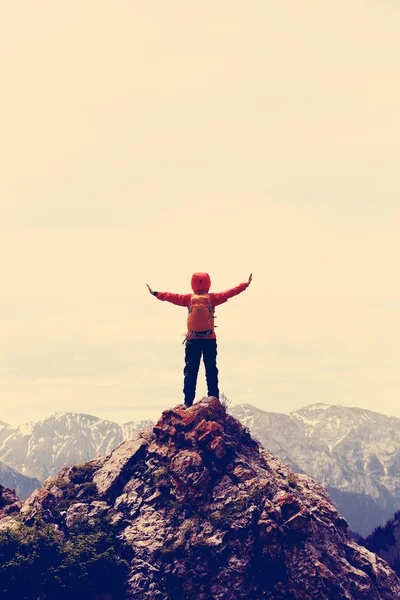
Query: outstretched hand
pixel 150 290
pixel 250 278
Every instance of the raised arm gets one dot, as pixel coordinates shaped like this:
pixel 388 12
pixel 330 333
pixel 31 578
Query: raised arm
pixel 178 299
pixel 222 297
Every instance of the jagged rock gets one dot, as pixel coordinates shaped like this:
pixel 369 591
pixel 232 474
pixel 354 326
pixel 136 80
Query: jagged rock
pixel 207 514
pixel 75 513
pixel 8 522
pixel 112 476
pixel 7 497
pixel 80 511
pixel 10 506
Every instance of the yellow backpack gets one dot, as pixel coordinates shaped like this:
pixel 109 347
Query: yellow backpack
pixel 201 315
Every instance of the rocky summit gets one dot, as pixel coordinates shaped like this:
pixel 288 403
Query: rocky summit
pixel 205 512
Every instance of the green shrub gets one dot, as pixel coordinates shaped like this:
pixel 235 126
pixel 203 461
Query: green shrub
pixel 71 492
pixel 82 473
pixel 37 563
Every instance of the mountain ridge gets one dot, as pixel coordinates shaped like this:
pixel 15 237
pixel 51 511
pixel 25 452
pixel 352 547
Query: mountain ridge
pixel 41 448
pixel 353 451
pixel 207 512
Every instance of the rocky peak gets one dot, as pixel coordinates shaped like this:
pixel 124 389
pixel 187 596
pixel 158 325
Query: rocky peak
pixel 204 512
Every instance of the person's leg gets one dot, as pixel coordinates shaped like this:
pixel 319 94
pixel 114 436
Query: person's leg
pixel 210 364
pixel 192 363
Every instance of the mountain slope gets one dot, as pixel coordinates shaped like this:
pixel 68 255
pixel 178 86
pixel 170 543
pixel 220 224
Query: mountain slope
pixel 385 541
pixel 354 452
pixel 23 486
pixel 206 513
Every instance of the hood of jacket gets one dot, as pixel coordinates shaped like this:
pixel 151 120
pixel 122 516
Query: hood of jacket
pixel 201 282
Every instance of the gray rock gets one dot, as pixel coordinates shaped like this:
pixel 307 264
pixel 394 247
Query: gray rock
pixel 112 476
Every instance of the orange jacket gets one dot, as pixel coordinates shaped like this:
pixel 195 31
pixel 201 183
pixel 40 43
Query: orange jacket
pixel 215 300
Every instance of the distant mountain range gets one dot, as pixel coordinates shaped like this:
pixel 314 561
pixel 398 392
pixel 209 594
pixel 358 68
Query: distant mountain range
pixel 12 478
pixel 355 453
pixel 40 449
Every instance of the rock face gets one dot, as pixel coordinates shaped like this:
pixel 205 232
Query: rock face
pixel 9 506
pixel 7 498
pixel 207 513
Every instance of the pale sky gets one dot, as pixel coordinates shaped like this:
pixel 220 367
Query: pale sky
pixel 142 141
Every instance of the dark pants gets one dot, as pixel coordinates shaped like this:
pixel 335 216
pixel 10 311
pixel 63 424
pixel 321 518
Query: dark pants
pixel 194 349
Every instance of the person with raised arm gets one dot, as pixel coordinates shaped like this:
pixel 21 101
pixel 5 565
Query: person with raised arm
pixel 200 338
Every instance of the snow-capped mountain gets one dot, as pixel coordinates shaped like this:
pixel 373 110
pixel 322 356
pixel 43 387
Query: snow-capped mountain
pixel 132 428
pixel 354 452
pixel 10 477
pixel 5 429
pixel 40 449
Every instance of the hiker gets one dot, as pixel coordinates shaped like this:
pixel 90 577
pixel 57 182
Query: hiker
pixel 200 338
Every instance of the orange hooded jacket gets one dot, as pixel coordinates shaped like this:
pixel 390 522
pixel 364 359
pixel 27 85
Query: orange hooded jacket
pixel 201 283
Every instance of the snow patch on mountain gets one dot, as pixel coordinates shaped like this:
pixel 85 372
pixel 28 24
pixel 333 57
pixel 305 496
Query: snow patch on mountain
pixel 317 406
pixel 133 428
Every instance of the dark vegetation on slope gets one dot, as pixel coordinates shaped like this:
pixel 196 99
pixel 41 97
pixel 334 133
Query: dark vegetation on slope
pixel 38 563
pixel 385 541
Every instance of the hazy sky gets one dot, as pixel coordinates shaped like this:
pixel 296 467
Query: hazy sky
pixel 141 141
